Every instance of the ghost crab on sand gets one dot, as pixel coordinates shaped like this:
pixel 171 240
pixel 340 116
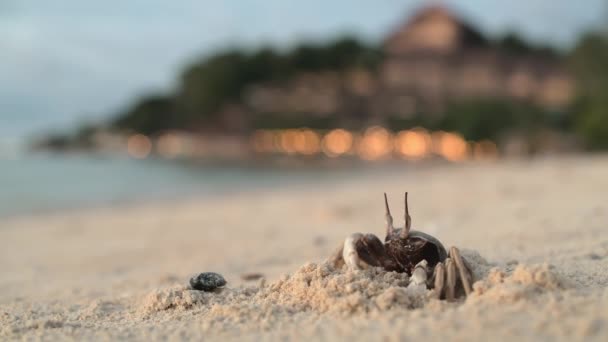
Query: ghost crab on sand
pixel 418 254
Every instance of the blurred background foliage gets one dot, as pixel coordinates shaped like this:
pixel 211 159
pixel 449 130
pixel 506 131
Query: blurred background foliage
pixel 221 78
pixel 214 81
pixel 589 60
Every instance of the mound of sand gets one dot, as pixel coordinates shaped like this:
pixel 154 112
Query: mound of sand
pixel 524 282
pixel 313 287
pixel 321 289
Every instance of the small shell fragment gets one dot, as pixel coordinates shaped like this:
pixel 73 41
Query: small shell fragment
pixel 207 281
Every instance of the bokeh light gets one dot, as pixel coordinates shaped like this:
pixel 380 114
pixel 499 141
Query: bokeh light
pixel 337 142
pixel 413 144
pixel 376 143
pixel 139 146
pixel 287 140
pixel 450 146
pixel 170 145
pixel 307 142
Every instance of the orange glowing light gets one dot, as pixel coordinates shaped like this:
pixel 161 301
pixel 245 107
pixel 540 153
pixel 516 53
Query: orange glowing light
pixel 451 146
pixel 276 141
pixel 414 144
pixel 288 141
pixel 375 144
pixel 436 142
pixel 337 142
pixel 139 146
pixel 307 142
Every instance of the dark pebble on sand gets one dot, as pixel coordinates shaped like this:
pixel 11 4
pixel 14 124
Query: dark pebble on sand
pixel 207 281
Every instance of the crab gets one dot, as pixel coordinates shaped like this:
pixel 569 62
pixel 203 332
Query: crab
pixel 418 254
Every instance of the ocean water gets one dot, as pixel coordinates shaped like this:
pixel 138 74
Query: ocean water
pixel 33 184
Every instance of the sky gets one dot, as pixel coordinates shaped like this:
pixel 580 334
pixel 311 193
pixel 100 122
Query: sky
pixel 68 62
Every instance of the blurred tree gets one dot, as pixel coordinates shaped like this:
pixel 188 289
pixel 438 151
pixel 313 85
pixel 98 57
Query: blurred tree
pixel 491 118
pixel 265 64
pixel 513 43
pixel 292 120
pixel 589 62
pixel 54 141
pixel 150 115
pixel 206 86
pixel 209 84
pixel 307 57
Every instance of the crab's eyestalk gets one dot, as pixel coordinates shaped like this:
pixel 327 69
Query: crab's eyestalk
pixel 408 221
pixel 388 217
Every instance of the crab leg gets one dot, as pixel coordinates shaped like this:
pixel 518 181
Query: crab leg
pixel 450 270
pixel 439 280
pixel 465 274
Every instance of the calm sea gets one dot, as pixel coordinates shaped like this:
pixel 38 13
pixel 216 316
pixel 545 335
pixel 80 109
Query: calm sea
pixel 33 184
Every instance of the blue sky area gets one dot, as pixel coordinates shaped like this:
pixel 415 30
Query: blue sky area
pixel 65 62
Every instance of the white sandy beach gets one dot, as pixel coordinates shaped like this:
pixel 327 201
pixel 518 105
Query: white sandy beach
pixel 535 233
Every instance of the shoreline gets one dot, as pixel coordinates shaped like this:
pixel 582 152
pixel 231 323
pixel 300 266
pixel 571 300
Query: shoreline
pixel 270 175
pixel 341 169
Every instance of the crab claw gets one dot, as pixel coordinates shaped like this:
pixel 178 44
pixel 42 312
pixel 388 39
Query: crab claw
pixel 419 275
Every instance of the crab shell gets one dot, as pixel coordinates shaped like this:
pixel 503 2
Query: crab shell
pixel 418 246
